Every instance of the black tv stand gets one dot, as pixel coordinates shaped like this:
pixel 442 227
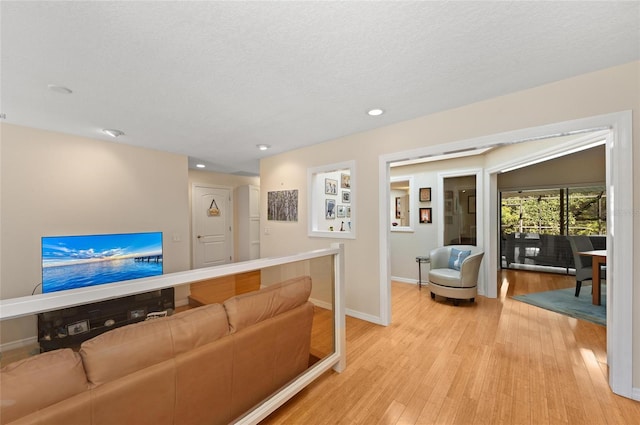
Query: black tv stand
pixel 69 327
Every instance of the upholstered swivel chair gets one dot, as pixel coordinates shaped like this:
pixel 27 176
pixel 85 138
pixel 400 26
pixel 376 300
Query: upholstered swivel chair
pixel 584 270
pixel 454 272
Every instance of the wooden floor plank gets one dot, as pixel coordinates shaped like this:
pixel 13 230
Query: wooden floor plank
pixel 496 361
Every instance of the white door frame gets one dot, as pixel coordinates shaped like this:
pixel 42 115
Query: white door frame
pixel 619 165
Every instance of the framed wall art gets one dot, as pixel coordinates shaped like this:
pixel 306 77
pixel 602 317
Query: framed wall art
pixel 282 205
pixel 345 181
pixel 425 194
pixel 330 187
pixel 330 209
pixel 425 215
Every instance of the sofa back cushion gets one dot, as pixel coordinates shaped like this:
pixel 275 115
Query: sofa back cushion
pixel 40 381
pixel 269 354
pixel 130 348
pixel 247 309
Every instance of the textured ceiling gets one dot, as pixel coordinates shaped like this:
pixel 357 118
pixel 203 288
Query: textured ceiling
pixel 211 80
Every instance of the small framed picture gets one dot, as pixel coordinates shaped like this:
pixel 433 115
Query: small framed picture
pixel 138 313
pixel 346 196
pixel 342 211
pixel 330 187
pixel 425 194
pixel 349 214
pixel 425 215
pixel 78 327
pixel 345 181
pixel 329 209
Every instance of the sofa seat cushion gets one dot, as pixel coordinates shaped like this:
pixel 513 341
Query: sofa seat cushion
pixel 445 277
pixel 40 381
pixel 144 344
pixel 247 309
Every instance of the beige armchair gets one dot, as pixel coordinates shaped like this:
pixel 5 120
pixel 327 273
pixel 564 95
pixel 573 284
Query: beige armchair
pixel 455 276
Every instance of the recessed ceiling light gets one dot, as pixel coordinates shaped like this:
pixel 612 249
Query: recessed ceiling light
pixel 263 147
pixel 200 165
pixel 375 112
pixel 113 132
pixel 59 89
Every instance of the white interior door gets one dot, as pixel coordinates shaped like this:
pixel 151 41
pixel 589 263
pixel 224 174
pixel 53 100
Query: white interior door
pixel 212 226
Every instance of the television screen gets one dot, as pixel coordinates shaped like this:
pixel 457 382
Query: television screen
pixel 70 262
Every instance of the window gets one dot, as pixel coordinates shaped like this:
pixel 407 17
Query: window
pixel 332 201
pixel 535 223
pixel 400 211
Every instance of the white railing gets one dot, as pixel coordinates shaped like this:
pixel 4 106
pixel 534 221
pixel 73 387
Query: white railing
pixel 29 305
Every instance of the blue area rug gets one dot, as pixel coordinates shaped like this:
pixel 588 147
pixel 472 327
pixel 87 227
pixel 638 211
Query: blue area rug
pixel 564 302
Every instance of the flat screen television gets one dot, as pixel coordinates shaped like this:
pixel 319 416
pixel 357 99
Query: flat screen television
pixel 70 262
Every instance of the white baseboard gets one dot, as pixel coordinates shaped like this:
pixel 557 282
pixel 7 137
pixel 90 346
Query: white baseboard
pixel 321 304
pixel 364 316
pixel 405 280
pixel 14 345
pixel 635 394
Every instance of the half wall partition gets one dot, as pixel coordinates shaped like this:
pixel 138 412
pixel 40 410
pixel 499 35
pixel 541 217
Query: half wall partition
pixel 325 267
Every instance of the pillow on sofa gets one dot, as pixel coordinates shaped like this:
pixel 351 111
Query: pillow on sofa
pixel 457 257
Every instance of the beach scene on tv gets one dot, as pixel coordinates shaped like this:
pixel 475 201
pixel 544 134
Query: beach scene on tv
pixel 70 262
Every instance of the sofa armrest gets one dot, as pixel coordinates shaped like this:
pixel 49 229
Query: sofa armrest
pixel 470 268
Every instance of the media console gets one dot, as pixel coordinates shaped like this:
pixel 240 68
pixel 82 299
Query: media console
pixel 69 327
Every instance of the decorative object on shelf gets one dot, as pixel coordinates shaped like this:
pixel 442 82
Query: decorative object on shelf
pixel 425 215
pixel 345 181
pixel 346 196
pixel 78 327
pixel 214 211
pixel 471 204
pixel 330 186
pixel 425 194
pixel 330 209
pixel 282 205
pixel 342 212
pixel 342 226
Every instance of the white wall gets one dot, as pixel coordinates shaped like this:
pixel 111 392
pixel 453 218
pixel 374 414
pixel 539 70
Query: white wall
pixel 610 90
pixel 58 184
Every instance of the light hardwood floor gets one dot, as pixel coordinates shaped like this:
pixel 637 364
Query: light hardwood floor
pixel 498 361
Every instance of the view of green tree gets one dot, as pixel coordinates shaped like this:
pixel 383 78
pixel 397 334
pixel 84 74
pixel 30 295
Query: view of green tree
pixel 545 211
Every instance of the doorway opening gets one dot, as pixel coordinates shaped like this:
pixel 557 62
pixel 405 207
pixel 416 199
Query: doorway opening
pixel 616 129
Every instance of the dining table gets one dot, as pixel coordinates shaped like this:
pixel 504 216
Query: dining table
pixel 599 257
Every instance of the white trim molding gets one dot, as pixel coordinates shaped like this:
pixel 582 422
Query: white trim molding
pixel 617 129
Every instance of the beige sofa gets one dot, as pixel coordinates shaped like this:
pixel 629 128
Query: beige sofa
pixel 207 365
